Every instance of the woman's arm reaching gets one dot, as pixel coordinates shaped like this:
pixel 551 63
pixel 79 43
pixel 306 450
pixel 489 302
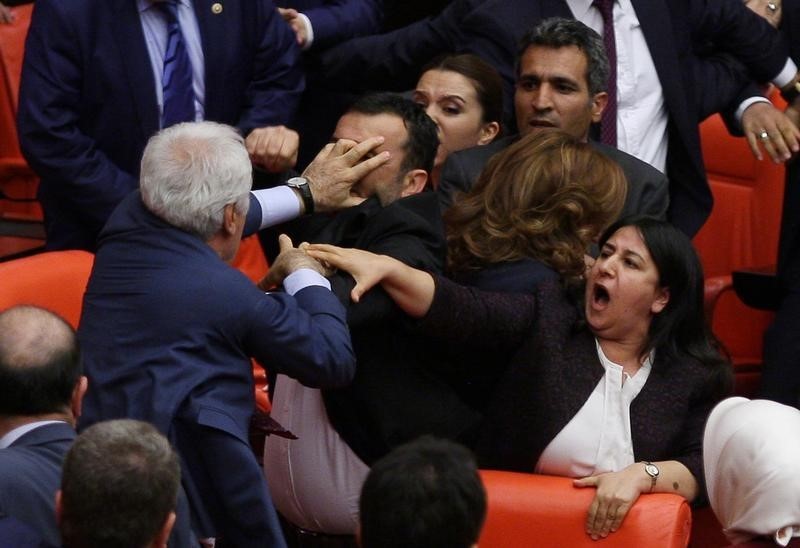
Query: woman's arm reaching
pixel 410 288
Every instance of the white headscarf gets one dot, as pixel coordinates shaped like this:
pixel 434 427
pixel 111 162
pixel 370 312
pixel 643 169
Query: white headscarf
pixel 751 456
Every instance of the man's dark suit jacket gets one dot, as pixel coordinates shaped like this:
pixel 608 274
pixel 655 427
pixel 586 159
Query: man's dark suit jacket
pixel 167 333
pixel 648 188
pixel 394 397
pixel 335 20
pixel 30 475
pixel 780 380
pixel 553 373
pixel 88 103
pixel 693 88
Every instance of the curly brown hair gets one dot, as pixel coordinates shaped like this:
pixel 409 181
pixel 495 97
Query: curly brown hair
pixel 547 196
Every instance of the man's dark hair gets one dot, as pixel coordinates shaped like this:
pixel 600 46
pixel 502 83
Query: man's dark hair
pixel 423 139
pixel 424 494
pixel 557 32
pixel 119 483
pixel 39 362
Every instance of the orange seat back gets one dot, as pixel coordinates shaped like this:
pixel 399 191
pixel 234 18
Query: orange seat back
pixel 54 280
pixel 742 232
pixel 533 510
pixel 16 178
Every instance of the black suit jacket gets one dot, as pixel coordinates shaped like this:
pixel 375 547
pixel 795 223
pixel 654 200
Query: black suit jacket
pixel 395 396
pixel 648 188
pixel 692 87
pixel 30 475
pixel 554 371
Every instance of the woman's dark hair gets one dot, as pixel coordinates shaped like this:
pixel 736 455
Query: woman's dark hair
pixel 487 81
pixel 681 329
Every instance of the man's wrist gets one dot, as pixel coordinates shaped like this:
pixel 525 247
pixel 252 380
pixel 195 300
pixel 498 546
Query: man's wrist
pixel 302 188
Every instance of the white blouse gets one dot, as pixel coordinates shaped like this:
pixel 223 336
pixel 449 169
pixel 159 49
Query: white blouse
pixel 598 438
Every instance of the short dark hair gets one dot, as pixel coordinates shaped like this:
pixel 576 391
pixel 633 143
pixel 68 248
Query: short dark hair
pixel 557 32
pixel 484 77
pixel 680 330
pixel 423 137
pixel 119 483
pixel 424 494
pixel 39 362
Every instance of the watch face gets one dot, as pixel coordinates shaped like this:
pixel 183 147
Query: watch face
pixel 651 469
pixel 297 181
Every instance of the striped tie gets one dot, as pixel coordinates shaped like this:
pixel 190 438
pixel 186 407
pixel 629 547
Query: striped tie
pixel 176 80
pixel 608 123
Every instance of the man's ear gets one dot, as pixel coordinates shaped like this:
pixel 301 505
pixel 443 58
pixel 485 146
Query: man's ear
pixel 414 182
pixel 59 509
pixel 76 401
pixel 599 103
pixel 229 219
pixel 161 538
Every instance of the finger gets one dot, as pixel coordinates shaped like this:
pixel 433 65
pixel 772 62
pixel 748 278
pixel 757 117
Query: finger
pixel 361 169
pixel 769 147
pixel 791 135
pixel 284 243
pixel 357 292
pixel 589 481
pixel 752 140
pixel 267 282
pixel 358 151
pixel 352 201
pixel 591 517
pixel 343 146
pixel 622 511
pixel 779 151
pixel 610 517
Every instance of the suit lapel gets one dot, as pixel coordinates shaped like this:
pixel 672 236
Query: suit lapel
pixel 132 53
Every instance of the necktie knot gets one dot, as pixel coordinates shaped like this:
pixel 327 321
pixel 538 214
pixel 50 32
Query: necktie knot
pixel 606 7
pixel 170 9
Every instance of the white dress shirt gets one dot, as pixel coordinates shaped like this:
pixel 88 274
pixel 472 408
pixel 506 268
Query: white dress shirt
pixel 598 438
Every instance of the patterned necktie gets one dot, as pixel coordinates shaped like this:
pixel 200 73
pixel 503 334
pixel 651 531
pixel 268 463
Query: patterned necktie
pixel 176 81
pixel 608 123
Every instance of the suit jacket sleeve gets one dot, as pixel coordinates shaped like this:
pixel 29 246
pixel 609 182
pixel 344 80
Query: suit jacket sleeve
pixel 274 92
pixel 391 61
pixel 340 19
pixel 305 337
pixel 49 118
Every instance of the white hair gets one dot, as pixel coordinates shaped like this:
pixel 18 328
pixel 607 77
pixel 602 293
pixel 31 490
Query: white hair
pixel 191 171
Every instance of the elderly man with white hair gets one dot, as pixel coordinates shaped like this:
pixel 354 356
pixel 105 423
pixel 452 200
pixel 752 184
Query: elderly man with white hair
pixel 168 328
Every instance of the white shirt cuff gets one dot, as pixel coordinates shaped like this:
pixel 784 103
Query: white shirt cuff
pixel 746 103
pixel 309 30
pixel 302 278
pixel 786 74
pixel 278 205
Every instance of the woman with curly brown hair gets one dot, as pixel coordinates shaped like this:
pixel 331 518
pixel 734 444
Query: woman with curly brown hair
pixel 533 213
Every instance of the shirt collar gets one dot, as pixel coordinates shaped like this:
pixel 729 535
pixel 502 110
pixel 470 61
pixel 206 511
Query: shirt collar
pixel 20 431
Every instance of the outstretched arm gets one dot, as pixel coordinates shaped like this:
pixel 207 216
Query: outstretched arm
pixel 410 288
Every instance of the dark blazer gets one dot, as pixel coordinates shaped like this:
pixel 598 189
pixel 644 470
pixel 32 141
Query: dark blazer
pixel 167 333
pixel 88 106
pixel 492 29
pixel 780 379
pixel 30 475
pixel 648 188
pixel 554 371
pixel 394 397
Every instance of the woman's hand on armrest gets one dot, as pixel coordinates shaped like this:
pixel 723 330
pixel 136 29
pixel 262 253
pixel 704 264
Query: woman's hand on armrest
pixel 618 491
pixel 410 288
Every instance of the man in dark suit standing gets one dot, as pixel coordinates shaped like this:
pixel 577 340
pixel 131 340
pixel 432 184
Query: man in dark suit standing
pixel 41 388
pixel 168 328
pixel 94 82
pixel 562 76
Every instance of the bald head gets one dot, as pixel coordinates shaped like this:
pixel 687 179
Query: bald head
pixel 39 362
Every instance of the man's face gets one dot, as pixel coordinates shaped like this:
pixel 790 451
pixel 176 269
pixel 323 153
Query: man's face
pixel 552 92
pixel 386 181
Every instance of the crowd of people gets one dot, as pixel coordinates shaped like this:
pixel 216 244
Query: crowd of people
pixel 491 256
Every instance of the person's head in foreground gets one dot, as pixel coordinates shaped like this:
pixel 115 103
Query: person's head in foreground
pixel 463 94
pixel 751 456
pixel 119 487
pixel 40 367
pixel 424 494
pixel 197 176
pixel 547 197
